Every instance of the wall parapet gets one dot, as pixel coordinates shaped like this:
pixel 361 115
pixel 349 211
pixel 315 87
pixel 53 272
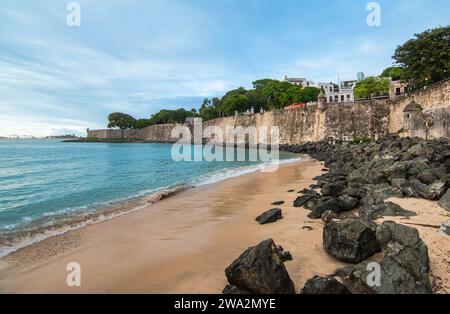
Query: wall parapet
pixel 358 119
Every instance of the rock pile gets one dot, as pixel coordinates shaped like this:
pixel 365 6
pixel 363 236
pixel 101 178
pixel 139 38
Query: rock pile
pixel 363 176
pixel 360 177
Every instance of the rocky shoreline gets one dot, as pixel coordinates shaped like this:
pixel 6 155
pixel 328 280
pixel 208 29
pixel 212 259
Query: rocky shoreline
pixel 349 197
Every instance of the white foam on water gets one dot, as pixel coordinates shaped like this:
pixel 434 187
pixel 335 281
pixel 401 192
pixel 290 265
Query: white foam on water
pixel 142 199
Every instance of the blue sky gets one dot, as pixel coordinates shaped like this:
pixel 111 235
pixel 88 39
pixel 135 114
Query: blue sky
pixel 141 56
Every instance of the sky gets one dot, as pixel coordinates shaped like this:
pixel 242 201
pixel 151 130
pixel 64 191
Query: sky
pixel 142 56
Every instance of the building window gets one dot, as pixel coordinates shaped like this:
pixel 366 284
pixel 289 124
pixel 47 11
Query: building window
pixel 348 96
pixel 398 91
pixel 331 98
pixel 336 98
pixel 342 97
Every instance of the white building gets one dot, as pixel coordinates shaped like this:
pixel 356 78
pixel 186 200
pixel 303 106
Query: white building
pixel 344 92
pixel 302 82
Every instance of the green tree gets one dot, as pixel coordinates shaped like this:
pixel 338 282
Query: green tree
pixel 209 109
pixel 142 123
pixel 395 73
pixel 309 94
pixel 121 120
pixel 371 86
pixel 170 116
pixel 426 58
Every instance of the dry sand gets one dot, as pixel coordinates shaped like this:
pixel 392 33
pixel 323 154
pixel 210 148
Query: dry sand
pixel 183 244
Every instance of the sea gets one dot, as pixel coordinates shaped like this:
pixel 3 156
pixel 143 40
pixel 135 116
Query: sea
pixel 48 186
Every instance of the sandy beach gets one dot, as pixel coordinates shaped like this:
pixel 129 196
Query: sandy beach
pixel 183 243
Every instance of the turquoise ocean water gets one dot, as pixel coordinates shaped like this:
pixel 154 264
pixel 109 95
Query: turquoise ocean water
pixel 48 186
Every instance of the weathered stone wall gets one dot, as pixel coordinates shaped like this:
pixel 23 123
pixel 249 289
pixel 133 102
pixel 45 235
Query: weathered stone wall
pixel 433 97
pixel 361 119
pixel 343 120
pixel 154 133
pixel 295 126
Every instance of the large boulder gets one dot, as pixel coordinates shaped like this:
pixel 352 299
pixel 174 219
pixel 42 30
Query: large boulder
pixel 260 270
pixel 437 189
pixel 356 190
pixel 431 192
pixel 323 285
pixel 405 246
pixel 405 187
pixel 380 192
pixel 420 150
pixel 403 270
pixel 383 209
pixel 308 196
pixel 444 202
pixel 333 188
pixel 348 202
pixel 336 205
pixel 398 170
pixel 269 216
pixel 350 240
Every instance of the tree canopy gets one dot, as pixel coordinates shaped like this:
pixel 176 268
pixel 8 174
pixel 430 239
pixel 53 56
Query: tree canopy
pixel 126 121
pixel 395 73
pixel 266 93
pixel 121 121
pixel 425 59
pixel 371 86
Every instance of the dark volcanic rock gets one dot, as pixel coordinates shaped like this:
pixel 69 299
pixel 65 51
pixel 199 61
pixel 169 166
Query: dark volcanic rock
pixel 444 202
pixel 308 196
pixel 348 203
pixel 356 191
pixel 328 216
pixel 380 192
pixel 350 240
pixel 284 255
pixel 405 187
pixel 334 188
pixel 383 209
pixel 230 289
pixel 269 216
pixel 302 200
pixel 324 285
pixel 309 192
pixel 437 189
pixel 403 270
pixel 260 270
pixel 427 177
pixel 372 173
pixel 406 247
pixel 277 203
pixel 326 203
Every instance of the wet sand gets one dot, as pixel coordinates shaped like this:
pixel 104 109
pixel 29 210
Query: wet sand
pixel 184 243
